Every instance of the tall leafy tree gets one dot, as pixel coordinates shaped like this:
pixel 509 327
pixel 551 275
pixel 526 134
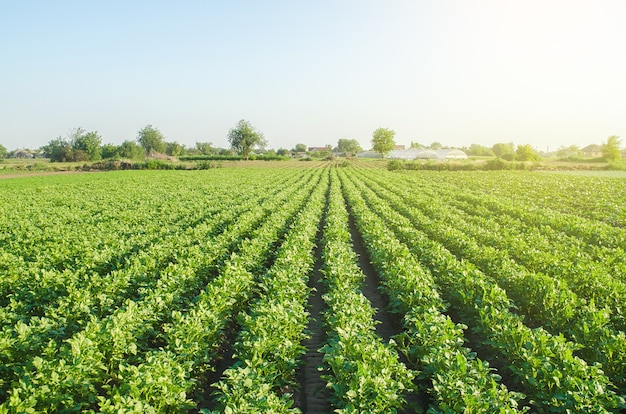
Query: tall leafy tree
pixel 151 139
pixel 109 151
pixel 79 145
pixel 349 146
pixel 611 149
pixel 244 137
pixel 573 151
pixel 90 143
pixel 205 148
pixel 131 150
pixel 174 149
pixel 526 153
pixel 479 150
pixel 501 149
pixel 383 140
pixel 59 150
pixel 300 148
pixel 3 151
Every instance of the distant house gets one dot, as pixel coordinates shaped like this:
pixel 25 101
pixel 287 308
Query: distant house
pixel 318 149
pixel 400 147
pixel 426 154
pixel 22 153
pixel 592 151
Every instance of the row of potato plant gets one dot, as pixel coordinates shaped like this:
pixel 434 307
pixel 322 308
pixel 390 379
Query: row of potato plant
pixel 483 201
pixel 431 340
pixel 43 224
pixel 268 347
pixel 553 377
pixel 597 273
pixel 593 269
pixel 194 337
pixel 570 246
pixel 363 372
pixel 545 238
pixel 544 300
pixel 39 286
pixel 595 198
pixel 70 377
pixel 22 341
pixel 593 232
pixel 598 198
pixel 25 334
pixel 134 226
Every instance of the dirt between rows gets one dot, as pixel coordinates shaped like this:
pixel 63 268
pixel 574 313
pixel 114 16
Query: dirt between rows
pixel 312 396
pixel 389 324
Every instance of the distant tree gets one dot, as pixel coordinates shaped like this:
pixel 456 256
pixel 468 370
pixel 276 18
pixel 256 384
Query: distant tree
pixel 573 151
pixel 151 139
pixel 79 145
pixel 417 145
pixel 501 149
pixel 74 134
pixel 300 148
pixel 383 141
pixel 174 149
pixel 435 146
pixel 526 153
pixel 611 149
pixel 282 152
pixel 109 151
pixel 86 145
pixel 205 148
pixel 3 151
pixel 479 151
pixel 244 137
pixel 59 150
pixel 131 150
pixel 323 152
pixel 349 146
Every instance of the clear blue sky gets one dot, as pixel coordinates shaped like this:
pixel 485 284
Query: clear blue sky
pixel 543 72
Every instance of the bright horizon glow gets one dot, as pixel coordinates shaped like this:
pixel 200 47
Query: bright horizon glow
pixel 548 73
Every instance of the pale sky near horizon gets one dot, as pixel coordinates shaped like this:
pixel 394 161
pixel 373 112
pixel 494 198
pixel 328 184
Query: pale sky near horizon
pixel 546 73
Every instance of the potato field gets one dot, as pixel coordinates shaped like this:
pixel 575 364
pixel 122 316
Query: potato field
pixel 312 288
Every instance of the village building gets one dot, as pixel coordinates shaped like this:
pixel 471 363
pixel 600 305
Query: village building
pixel 592 151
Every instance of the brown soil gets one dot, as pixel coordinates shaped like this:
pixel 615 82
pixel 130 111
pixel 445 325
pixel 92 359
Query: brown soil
pixel 313 397
pixel 390 324
pixel 211 376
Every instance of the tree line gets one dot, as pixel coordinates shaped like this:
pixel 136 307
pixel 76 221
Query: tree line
pixel 383 142
pixel 81 145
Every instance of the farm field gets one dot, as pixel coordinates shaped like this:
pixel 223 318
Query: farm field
pixel 313 287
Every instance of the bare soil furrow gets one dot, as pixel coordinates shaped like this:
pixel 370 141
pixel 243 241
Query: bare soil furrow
pixel 389 324
pixel 313 396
